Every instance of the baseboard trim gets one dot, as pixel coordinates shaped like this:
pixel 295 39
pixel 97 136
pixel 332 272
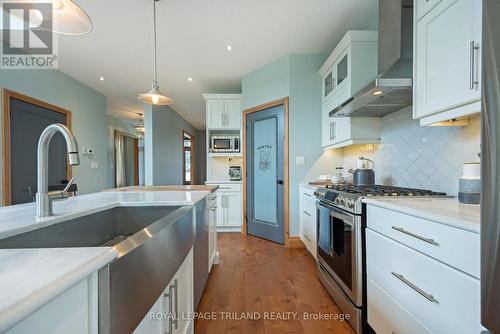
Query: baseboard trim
pixel 294 242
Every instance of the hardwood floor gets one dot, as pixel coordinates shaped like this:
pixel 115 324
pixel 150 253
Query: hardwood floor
pixel 255 275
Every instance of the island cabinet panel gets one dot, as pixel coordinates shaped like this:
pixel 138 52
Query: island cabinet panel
pixel 74 311
pixel 172 313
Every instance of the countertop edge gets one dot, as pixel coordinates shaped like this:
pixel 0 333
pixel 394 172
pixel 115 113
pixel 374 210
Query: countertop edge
pixel 32 303
pixel 449 221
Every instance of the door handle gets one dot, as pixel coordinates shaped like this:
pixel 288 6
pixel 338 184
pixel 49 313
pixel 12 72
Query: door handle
pixel 472 49
pixel 280 181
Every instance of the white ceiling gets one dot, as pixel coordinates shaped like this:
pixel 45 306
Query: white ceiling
pixel 192 38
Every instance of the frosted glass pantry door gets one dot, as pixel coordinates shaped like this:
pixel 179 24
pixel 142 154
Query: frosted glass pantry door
pixel 265 173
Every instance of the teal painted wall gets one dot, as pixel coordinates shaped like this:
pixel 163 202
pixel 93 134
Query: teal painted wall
pixel 88 110
pixel 163 145
pixel 294 76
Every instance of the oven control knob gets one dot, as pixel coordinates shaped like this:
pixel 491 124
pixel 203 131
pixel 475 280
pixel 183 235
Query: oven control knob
pixel 350 204
pixel 342 201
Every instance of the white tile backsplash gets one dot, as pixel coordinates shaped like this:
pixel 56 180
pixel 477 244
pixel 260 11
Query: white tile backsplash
pixel 410 155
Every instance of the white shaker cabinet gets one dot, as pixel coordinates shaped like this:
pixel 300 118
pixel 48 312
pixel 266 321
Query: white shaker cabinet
pixel 171 312
pixel 307 218
pixel 345 131
pixel 350 67
pixel 224 111
pixel 73 311
pixel 212 237
pixel 447 59
pixel 422 275
pixel 229 212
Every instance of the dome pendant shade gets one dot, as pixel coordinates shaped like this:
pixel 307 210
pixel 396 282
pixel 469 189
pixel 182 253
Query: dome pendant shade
pixel 154 96
pixel 67 17
pixel 70 19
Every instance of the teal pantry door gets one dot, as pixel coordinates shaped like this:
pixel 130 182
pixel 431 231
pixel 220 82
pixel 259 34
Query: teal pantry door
pixel 265 154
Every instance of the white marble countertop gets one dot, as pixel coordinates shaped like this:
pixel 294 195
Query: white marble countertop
pixel 29 278
pixel 446 211
pixel 223 182
pixel 21 218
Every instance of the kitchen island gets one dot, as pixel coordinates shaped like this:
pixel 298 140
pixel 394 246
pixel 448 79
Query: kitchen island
pixel 32 279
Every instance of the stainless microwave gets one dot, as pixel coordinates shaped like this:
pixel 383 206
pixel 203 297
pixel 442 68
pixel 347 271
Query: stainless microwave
pixel 225 144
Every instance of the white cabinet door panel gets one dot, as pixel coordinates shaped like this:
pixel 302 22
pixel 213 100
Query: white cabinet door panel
pixel 386 316
pixel 232 108
pixel 444 299
pixel 446 64
pixel 216 115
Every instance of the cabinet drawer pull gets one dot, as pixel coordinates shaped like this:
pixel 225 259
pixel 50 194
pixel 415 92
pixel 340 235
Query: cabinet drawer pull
pixel 222 187
pixel 472 49
pixel 176 302
pixel 419 237
pixel 307 213
pixel 307 194
pixel 307 238
pixel 427 296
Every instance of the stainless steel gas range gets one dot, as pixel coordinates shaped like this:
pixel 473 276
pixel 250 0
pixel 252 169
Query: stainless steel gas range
pixel 341 244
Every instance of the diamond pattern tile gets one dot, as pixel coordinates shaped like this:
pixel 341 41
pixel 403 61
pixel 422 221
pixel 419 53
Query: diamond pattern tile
pixel 423 157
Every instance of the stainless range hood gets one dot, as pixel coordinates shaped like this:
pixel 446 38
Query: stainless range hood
pixel 392 90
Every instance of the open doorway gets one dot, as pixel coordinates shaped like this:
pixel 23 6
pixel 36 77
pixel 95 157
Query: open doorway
pixel 126 158
pixel 188 158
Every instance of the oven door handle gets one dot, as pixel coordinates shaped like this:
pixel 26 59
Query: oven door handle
pixel 348 219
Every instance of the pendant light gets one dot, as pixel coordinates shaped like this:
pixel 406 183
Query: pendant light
pixel 155 96
pixel 139 126
pixel 67 17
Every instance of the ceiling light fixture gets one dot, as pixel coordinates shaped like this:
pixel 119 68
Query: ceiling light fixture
pixel 139 126
pixel 68 18
pixel 154 96
pixel 378 92
pixel 229 47
pixel 101 78
pixel 190 79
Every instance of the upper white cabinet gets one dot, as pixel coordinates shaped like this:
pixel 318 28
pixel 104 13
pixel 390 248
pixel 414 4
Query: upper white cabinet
pixel 344 131
pixel 350 67
pixel 447 59
pixel 223 111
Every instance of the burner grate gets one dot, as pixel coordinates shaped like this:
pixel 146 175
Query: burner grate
pixel 380 190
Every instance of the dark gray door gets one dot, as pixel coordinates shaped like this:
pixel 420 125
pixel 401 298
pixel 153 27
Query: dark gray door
pixel 265 173
pixel 27 121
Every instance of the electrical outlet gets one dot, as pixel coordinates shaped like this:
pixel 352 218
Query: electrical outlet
pixel 94 165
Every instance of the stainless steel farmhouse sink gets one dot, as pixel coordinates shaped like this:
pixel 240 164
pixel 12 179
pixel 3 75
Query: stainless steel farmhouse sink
pixel 152 243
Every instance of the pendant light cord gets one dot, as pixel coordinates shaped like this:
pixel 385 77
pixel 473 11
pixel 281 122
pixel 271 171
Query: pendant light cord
pixel 155 83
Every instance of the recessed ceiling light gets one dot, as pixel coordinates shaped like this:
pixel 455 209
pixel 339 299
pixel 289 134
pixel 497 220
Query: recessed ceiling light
pixel 229 47
pixel 101 78
pixel 190 79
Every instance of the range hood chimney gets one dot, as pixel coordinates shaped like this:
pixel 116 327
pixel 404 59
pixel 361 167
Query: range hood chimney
pixel 392 90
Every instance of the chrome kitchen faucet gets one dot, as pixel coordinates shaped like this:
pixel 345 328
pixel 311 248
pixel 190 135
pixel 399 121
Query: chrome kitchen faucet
pixel 43 200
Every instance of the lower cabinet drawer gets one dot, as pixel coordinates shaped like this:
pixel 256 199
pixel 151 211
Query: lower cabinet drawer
pixel 308 214
pixel 386 316
pixel 309 239
pixel 444 299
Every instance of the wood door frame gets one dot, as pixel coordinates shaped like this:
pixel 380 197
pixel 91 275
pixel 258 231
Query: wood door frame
pixel 289 241
pixel 6 154
pixel 193 158
pixel 136 155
